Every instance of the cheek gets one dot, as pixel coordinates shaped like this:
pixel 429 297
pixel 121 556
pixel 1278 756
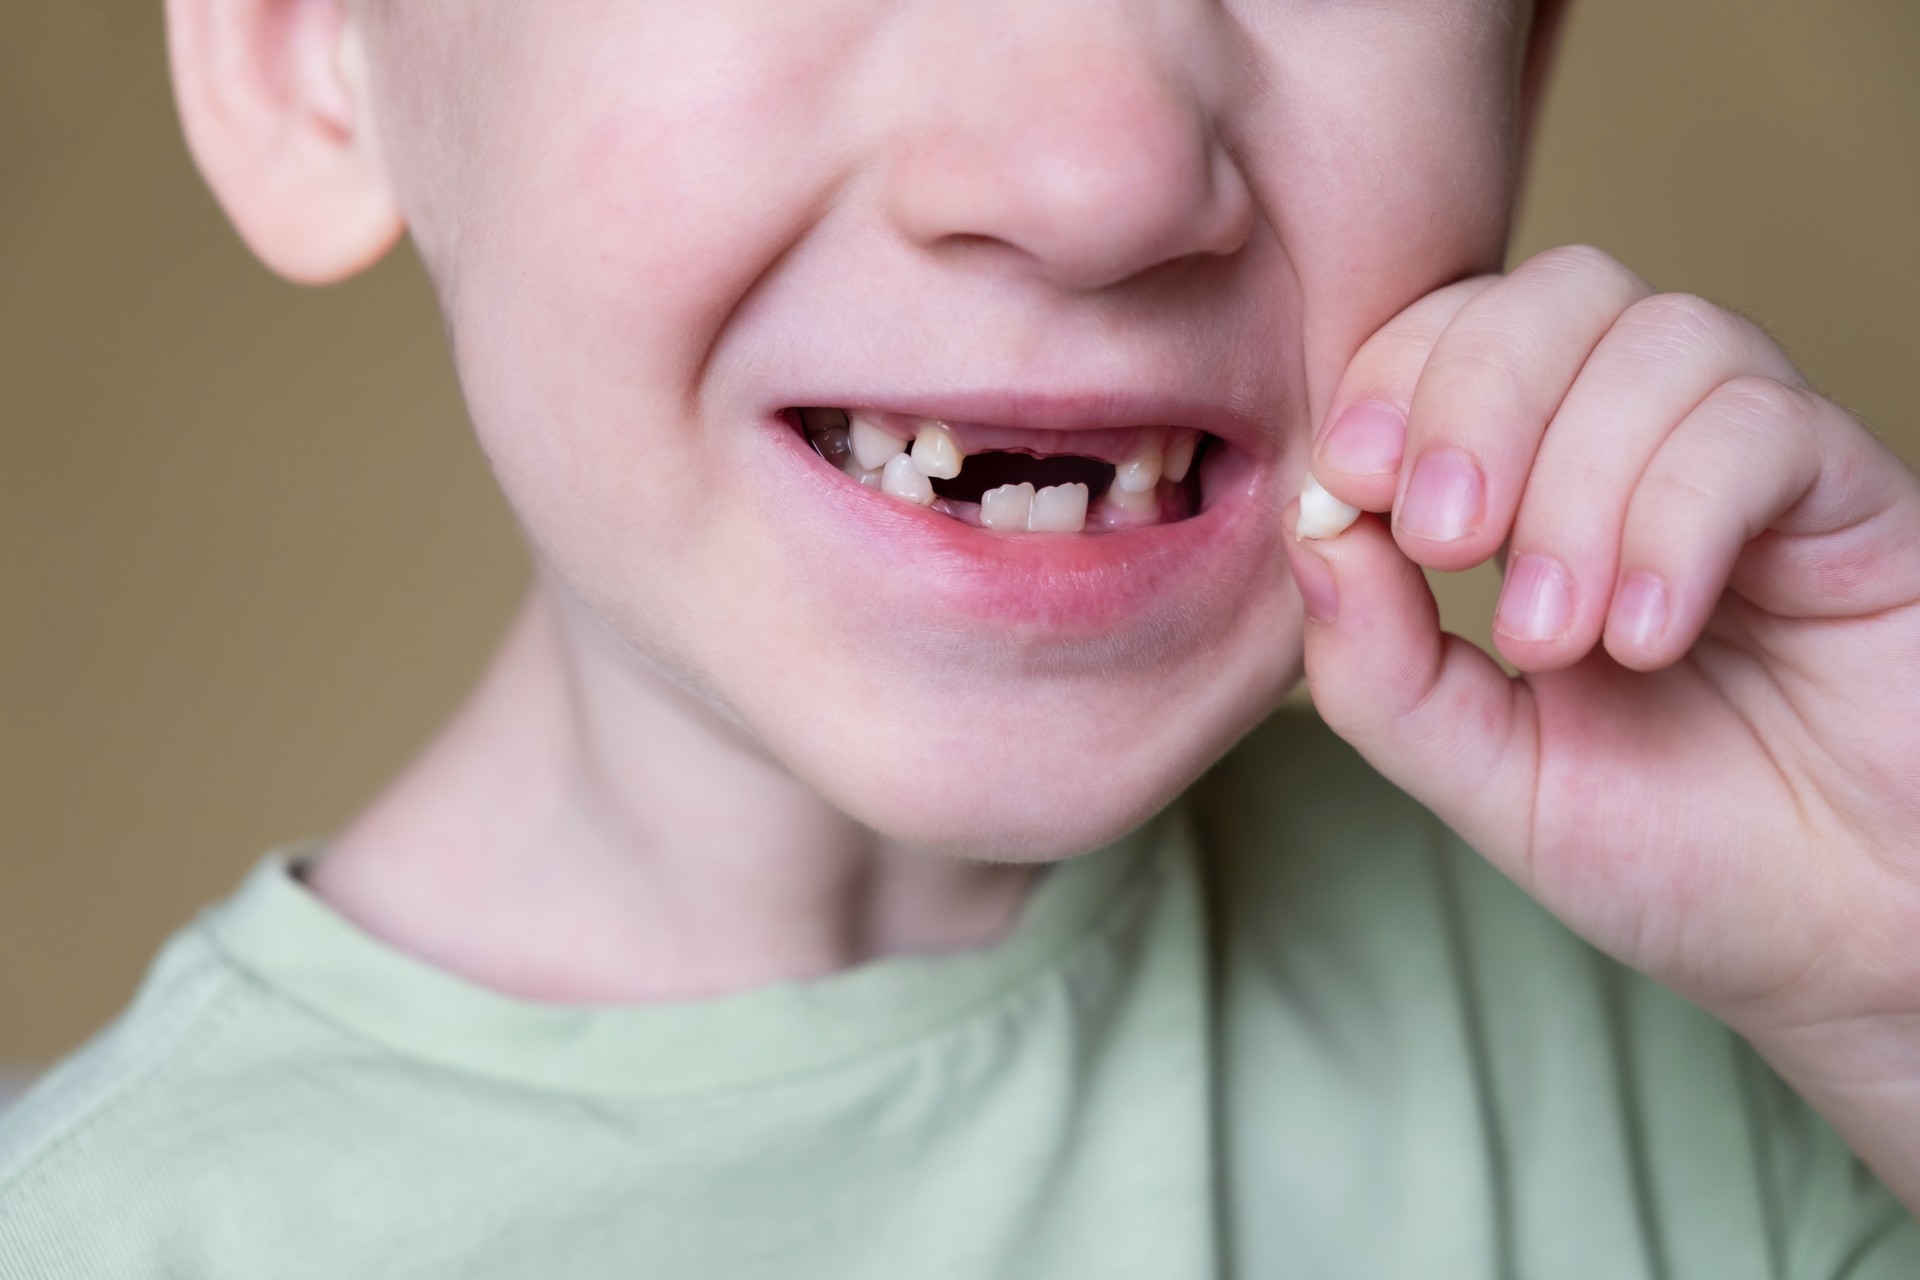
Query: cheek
pixel 1388 146
pixel 642 203
pixel 611 225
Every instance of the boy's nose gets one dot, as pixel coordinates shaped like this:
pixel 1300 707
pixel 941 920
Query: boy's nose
pixel 1068 135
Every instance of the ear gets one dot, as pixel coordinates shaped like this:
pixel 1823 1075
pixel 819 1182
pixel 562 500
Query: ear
pixel 1543 41
pixel 273 97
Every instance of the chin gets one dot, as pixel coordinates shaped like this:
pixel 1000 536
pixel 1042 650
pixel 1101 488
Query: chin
pixel 1045 773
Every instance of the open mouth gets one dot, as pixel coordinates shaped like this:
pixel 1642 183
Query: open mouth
pixel 1130 524
pixel 1016 481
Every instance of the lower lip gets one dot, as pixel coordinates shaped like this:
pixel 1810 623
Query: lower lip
pixel 1064 584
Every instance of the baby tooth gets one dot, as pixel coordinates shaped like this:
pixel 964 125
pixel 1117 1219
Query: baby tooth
pixel 1321 514
pixel 1007 507
pixel 867 476
pixel 1141 471
pixel 1139 506
pixel 902 480
pixel 1179 454
pixel 935 453
pixel 1059 508
pixel 872 443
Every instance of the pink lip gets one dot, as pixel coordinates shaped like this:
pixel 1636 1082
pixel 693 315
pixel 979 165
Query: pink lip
pixel 1062 584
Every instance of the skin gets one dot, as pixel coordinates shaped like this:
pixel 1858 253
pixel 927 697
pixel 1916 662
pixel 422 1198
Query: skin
pixel 727 743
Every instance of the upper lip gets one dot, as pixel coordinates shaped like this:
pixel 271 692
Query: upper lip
pixel 1061 411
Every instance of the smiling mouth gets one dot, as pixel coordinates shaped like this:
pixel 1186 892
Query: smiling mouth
pixel 1013 481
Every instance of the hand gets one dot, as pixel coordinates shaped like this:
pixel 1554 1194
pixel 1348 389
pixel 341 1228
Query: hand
pixel 1709 766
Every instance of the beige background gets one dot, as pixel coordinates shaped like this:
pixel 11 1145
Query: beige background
pixel 248 556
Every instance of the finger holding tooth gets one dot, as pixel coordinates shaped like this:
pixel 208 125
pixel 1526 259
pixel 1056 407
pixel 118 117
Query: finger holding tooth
pixel 1321 514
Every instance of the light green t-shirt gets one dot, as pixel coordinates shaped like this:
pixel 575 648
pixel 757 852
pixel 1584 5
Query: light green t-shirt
pixel 1291 1029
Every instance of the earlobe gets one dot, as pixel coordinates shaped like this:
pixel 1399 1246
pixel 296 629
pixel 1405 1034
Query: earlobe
pixel 277 115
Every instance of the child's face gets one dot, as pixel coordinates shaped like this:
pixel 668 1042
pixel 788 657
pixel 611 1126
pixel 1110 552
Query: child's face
pixel 657 226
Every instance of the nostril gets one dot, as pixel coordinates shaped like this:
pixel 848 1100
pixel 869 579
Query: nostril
pixel 1119 174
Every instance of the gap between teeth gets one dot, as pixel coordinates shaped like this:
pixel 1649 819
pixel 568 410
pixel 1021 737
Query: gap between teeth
pixel 878 458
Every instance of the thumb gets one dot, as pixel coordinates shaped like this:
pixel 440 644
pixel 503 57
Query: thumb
pixel 1430 711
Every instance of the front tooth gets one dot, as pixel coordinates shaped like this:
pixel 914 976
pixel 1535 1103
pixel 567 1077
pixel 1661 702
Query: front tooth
pixel 935 453
pixel 1007 507
pixel 1321 514
pixel 873 444
pixel 903 480
pixel 1179 454
pixel 1059 508
pixel 1141 470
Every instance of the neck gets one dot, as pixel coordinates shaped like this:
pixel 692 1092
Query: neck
pixel 584 830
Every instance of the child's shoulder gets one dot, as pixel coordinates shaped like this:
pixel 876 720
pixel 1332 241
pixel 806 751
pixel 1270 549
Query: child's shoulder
pixel 183 994
pixel 98 1160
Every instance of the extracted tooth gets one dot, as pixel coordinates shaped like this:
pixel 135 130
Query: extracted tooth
pixel 1179 453
pixel 1059 508
pixel 1007 507
pixel 935 453
pixel 1321 514
pixel 902 480
pixel 1140 472
pixel 872 443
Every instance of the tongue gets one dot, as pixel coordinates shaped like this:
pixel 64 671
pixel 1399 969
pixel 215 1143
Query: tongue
pixel 985 471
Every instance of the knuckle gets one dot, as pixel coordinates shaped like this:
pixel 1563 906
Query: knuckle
pixel 1680 492
pixel 1759 402
pixel 1403 343
pixel 1581 258
pixel 1584 263
pixel 1680 324
pixel 1473 380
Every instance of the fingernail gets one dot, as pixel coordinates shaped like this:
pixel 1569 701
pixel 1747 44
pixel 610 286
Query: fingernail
pixel 1314 577
pixel 1536 603
pixel 1446 498
pixel 1640 610
pixel 1367 439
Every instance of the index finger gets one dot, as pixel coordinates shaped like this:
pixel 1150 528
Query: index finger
pixel 1376 394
